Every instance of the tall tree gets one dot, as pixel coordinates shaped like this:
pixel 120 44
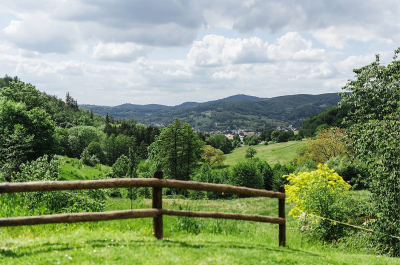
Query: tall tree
pixel 180 150
pixel 374 133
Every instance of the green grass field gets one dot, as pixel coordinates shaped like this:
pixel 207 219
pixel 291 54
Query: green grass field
pixel 272 153
pixel 187 240
pixel 72 169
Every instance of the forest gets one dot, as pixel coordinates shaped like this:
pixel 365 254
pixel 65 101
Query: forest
pixel 232 113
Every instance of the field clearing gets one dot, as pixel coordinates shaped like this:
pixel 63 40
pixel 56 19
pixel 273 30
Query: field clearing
pixel 273 153
pixel 187 240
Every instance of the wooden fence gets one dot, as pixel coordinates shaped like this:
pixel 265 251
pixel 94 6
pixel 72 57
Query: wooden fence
pixel 157 212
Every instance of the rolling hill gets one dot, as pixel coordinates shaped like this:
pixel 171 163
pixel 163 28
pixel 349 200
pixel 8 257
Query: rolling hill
pixel 235 112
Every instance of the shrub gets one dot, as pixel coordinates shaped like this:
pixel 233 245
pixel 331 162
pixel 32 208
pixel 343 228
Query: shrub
pixel 247 174
pixel 45 169
pixel 206 174
pixel 89 160
pixel 279 171
pixel 323 193
pixel 355 173
pixel 267 173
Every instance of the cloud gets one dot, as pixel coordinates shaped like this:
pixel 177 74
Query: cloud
pixel 41 34
pixel 334 23
pixel 123 52
pixel 216 50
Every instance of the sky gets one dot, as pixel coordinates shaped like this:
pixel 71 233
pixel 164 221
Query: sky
pixel 168 52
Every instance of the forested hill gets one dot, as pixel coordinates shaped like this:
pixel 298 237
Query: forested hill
pixel 239 111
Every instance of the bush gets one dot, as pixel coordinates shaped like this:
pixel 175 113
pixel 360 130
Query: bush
pixel 279 171
pixel 89 160
pixel 45 169
pixel 206 174
pixel 322 193
pixel 354 173
pixel 267 173
pixel 247 174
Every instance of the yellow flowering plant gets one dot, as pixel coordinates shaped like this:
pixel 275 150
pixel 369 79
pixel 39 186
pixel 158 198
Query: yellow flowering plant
pixel 324 193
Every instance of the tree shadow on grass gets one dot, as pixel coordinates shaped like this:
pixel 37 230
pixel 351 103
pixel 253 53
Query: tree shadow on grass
pixel 43 248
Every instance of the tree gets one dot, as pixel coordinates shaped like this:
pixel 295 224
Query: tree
pixel 24 135
pixel 252 140
pixel 94 148
pixel 274 135
pixel 220 142
pixel 250 152
pixel 180 150
pixel 121 167
pixel 327 144
pixel 374 136
pixel 213 156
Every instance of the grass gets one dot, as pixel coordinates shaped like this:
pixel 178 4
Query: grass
pixel 273 153
pixel 187 240
pixel 72 169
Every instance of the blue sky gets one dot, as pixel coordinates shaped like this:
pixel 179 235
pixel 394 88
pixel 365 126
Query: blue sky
pixel 170 52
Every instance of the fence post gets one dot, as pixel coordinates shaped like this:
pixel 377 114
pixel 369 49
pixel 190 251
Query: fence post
pixel 282 227
pixel 157 204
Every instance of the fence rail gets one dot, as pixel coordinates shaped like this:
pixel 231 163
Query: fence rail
pixel 157 183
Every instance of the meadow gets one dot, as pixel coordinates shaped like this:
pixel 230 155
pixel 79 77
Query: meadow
pixel 186 240
pixel 273 153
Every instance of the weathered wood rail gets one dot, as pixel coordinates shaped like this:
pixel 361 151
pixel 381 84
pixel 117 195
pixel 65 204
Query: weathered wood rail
pixel 157 183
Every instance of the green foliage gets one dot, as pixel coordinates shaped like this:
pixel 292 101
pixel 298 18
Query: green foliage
pixel 24 135
pixel 250 152
pixel 267 173
pixel 354 172
pixel 89 160
pixel 46 169
pixel 221 142
pixel 247 174
pixel 285 136
pixel 332 117
pixel 206 174
pixel 274 135
pixel 323 193
pixel 213 156
pixel 121 167
pixel 228 115
pixel 252 140
pixel 279 171
pixel 307 165
pixel 375 139
pixel 94 148
pixel 179 150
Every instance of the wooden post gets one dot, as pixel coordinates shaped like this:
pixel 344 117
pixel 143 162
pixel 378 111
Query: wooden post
pixel 282 227
pixel 157 204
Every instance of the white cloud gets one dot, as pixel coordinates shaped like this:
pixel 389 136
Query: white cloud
pixel 39 33
pixel 216 50
pixel 124 52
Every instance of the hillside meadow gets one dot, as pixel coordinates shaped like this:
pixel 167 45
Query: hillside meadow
pixel 273 153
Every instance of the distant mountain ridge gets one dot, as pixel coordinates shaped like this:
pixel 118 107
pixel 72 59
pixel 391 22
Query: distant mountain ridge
pixel 231 113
